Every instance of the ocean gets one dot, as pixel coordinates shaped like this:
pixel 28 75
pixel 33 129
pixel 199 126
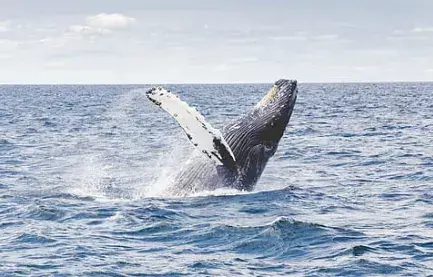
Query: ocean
pixel 83 172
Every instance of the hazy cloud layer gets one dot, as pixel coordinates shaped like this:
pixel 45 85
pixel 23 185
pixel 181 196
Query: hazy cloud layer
pixel 134 41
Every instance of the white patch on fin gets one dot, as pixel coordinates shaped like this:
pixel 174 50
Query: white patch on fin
pixel 201 134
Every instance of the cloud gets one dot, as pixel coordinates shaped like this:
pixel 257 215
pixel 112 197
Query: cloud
pixel 298 36
pixel 283 38
pixel 54 65
pixel 327 37
pixel 222 67
pixel 234 63
pixel 379 52
pixel 423 30
pixel 109 21
pixel 410 38
pixel 5 26
pixel 87 30
pixel 103 24
pixel 5 56
pixel 245 60
pixel 7 44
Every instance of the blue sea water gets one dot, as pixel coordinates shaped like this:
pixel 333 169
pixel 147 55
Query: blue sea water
pixel 348 193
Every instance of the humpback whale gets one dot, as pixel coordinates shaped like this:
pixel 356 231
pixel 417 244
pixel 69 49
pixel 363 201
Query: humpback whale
pixel 236 156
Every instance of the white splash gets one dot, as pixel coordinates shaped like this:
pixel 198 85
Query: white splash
pixel 120 168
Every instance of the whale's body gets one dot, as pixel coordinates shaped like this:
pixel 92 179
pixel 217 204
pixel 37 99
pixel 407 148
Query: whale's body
pixel 237 156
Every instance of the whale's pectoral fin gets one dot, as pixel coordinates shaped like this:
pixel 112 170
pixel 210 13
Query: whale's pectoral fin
pixel 201 134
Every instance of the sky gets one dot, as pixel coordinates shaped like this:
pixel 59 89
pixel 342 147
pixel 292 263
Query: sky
pixel 225 41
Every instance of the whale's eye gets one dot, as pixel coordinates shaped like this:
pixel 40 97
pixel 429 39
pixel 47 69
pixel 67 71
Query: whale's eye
pixel 268 145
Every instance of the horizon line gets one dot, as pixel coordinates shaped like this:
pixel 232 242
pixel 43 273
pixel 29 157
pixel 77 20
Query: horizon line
pixel 210 83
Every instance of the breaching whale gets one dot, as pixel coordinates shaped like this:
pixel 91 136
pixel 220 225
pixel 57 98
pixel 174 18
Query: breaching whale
pixel 236 156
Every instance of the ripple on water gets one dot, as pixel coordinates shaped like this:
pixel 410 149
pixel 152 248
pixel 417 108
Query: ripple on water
pixel 288 238
pixel 28 238
pixel 42 212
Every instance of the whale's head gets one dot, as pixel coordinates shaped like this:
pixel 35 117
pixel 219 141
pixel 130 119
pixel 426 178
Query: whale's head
pixel 272 114
pixel 254 138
